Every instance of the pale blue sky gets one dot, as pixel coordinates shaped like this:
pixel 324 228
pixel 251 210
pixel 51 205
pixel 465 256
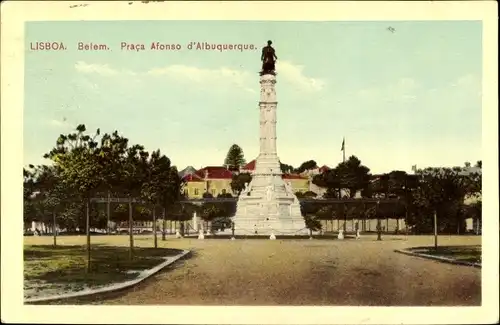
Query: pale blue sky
pixel 403 98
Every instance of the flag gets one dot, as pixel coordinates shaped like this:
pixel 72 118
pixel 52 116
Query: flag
pixel 343 145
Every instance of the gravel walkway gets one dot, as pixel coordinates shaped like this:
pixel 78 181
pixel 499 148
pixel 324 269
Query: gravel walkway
pixel 309 272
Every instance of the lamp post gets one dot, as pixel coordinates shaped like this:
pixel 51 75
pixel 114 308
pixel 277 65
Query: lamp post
pixel 379 227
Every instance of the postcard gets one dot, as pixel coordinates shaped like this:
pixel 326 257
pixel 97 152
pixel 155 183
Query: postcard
pixel 249 162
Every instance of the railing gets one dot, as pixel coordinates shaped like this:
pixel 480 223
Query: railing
pixel 235 199
pixel 307 200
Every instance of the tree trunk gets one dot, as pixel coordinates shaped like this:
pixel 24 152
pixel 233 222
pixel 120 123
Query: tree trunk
pixel 164 226
pixel 108 212
pixel 155 238
pixel 87 229
pixel 54 231
pixel 130 229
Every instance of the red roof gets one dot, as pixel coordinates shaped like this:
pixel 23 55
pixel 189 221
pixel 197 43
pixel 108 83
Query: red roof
pixel 250 165
pixel 293 176
pixel 211 172
pixel 324 168
pixel 192 178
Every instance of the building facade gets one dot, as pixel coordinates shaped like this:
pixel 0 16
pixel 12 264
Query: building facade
pixel 216 180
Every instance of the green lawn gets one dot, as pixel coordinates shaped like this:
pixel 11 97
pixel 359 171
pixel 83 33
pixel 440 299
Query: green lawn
pixel 470 254
pixel 66 265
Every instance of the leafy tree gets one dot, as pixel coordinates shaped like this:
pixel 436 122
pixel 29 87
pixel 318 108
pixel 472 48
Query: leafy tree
pixel 235 158
pixel 161 188
pixel 312 223
pixel 78 158
pixel 353 175
pixel 238 182
pixel 350 175
pixel 310 194
pixel 441 191
pixel 207 195
pixel 51 195
pixel 307 165
pixel 132 174
pixel 368 191
pixel 228 209
pixel 29 193
pixel 330 180
pixel 286 169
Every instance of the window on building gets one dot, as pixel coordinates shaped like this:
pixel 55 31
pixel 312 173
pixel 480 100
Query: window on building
pixel 196 191
pixel 186 192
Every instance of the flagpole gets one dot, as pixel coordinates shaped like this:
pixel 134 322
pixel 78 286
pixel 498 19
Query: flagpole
pixel 343 150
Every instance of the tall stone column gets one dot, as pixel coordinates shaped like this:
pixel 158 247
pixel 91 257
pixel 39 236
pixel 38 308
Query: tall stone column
pixel 268 105
pixel 268 161
pixel 267 206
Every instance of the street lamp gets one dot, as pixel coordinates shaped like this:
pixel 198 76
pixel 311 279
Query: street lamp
pixel 379 227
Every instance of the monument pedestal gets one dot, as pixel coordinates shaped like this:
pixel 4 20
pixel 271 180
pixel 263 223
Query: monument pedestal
pixel 268 205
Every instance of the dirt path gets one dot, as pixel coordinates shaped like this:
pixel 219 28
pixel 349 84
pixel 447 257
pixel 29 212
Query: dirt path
pixel 317 272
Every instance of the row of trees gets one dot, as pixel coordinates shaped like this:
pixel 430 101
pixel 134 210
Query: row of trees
pixel 431 190
pixel 86 166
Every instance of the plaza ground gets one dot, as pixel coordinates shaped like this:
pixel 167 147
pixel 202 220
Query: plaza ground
pixel 362 272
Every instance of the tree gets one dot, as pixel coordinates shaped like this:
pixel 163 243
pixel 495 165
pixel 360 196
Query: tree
pixel 29 193
pixel 353 175
pixel 307 165
pixel 234 158
pixel 78 158
pixel 310 194
pixel 330 180
pixel 132 174
pixel 51 195
pixel 286 169
pixel 161 188
pixel 228 209
pixel 312 223
pixel 113 150
pixel 238 182
pixel 441 191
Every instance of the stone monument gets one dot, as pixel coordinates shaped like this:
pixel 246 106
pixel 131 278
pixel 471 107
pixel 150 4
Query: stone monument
pixel 268 206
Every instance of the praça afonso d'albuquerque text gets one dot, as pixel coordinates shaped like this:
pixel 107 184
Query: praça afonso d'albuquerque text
pixel 137 47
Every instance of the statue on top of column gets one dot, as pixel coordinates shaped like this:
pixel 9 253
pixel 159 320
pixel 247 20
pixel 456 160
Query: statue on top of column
pixel 268 59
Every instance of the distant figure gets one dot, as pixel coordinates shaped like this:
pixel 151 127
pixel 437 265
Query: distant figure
pixel 268 59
